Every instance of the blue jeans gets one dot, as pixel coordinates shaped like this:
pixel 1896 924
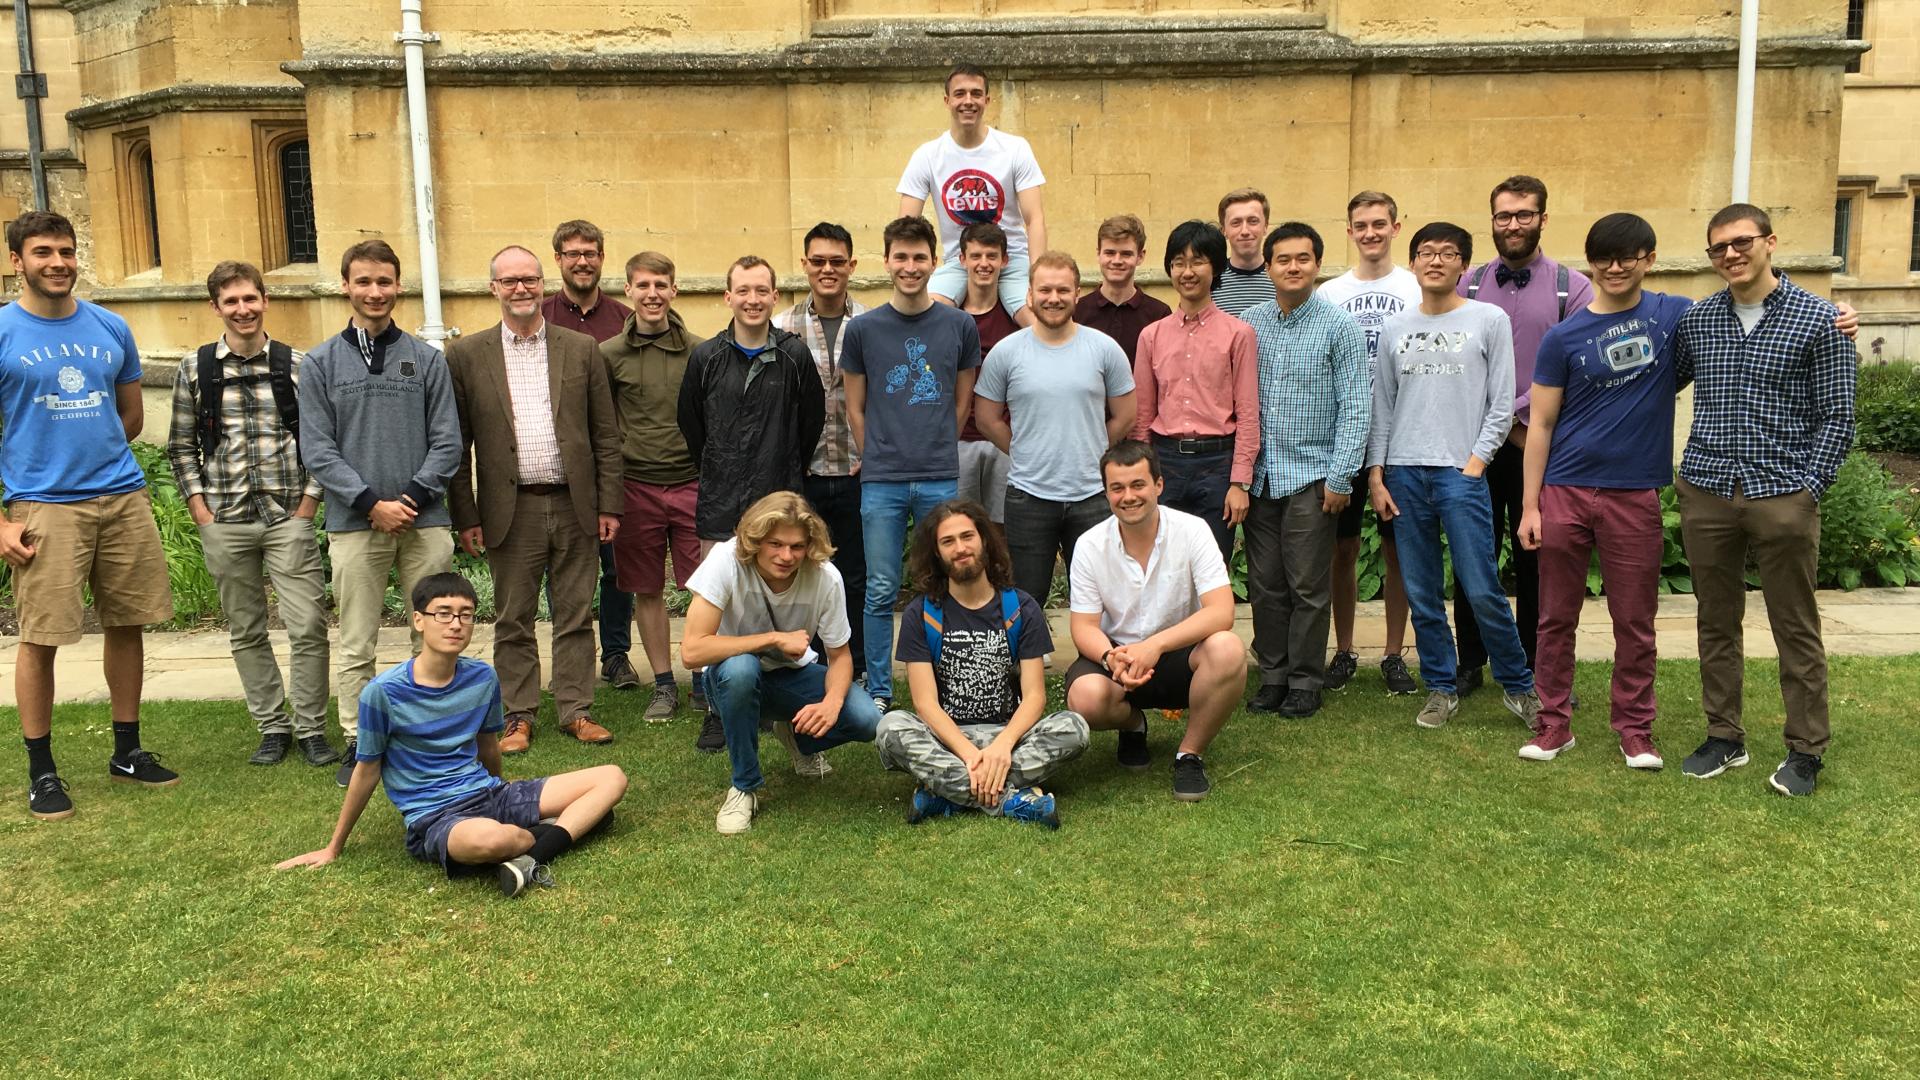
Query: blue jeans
pixel 742 693
pixel 616 610
pixel 1436 497
pixel 886 507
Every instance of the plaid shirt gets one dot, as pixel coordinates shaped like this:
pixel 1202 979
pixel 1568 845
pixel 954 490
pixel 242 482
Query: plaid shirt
pixel 1772 409
pixel 1314 397
pixel 835 455
pixel 255 473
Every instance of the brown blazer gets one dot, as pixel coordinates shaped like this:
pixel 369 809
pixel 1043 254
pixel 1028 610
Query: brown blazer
pixel 583 421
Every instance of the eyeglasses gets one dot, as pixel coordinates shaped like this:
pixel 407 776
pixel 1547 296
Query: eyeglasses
pixel 1741 244
pixel 819 262
pixel 1516 217
pixel 444 616
pixel 1625 263
pixel 512 283
pixel 1442 257
pixel 580 256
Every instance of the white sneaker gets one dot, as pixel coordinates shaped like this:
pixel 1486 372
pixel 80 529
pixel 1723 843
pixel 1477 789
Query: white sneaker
pixel 813 766
pixel 736 813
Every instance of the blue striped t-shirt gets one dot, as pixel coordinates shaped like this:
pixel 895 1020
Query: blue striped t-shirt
pixel 424 736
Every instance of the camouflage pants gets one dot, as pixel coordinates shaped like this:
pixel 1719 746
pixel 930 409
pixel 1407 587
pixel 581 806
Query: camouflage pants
pixel 907 745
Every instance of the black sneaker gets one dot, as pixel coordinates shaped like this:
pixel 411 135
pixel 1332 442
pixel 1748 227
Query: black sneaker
pixel 1300 704
pixel 1393 672
pixel 318 751
pixel 1795 776
pixel 1190 783
pixel 348 757
pixel 1469 681
pixel 1340 670
pixel 1132 751
pixel 47 798
pixel 713 737
pixel 142 767
pixel 273 749
pixel 1714 757
pixel 1267 699
pixel 618 670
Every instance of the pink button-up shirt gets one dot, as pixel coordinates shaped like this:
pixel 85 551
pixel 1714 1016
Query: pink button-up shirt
pixel 1196 376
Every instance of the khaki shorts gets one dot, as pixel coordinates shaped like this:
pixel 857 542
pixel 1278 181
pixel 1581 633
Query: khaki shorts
pixel 109 543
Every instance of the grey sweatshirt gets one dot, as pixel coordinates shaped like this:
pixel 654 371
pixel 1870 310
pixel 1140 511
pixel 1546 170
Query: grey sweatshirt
pixel 1444 389
pixel 367 437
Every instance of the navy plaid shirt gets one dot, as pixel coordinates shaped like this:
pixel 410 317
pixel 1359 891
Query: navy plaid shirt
pixel 1772 409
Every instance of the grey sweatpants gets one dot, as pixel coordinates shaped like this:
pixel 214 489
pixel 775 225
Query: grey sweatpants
pixel 908 745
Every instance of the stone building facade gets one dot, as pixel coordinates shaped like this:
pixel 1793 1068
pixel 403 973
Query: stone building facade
pixel 1876 232
pixel 182 132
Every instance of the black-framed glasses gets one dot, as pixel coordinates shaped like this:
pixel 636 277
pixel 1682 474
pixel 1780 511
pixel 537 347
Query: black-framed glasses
pixel 819 262
pixel 579 256
pixel 1447 256
pixel 443 616
pixel 1740 244
pixel 1516 217
pixel 511 283
pixel 1626 262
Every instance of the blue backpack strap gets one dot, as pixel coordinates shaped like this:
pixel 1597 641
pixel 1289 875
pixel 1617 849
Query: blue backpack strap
pixel 1010 611
pixel 931 621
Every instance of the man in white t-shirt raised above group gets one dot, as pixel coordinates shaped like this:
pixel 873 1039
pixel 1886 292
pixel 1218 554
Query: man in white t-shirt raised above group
pixel 975 173
pixel 1373 291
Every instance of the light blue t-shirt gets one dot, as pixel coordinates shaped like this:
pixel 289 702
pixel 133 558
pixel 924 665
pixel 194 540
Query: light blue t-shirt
pixel 62 439
pixel 1058 397
pixel 424 736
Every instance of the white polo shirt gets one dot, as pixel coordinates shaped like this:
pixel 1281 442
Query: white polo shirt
pixel 1135 603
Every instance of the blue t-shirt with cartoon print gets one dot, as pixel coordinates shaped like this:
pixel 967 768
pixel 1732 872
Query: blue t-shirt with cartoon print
pixel 60 434
pixel 911 363
pixel 1616 419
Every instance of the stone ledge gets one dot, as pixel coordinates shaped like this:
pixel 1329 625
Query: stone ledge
pixel 188 97
pixel 910 53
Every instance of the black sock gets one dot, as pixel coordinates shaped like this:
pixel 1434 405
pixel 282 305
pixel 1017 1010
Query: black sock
pixel 126 738
pixel 39 756
pixel 549 843
pixel 664 681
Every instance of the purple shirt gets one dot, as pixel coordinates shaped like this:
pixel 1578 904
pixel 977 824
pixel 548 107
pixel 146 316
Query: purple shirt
pixel 1533 311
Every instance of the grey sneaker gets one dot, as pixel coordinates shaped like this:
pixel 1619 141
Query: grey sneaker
pixel 809 765
pixel 1438 710
pixel 1795 776
pixel 517 873
pixel 1393 671
pixel 618 670
pixel 661 705
pixel 1714 757
pixel 1525 706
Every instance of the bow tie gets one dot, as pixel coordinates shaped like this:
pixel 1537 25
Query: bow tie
pixel 534 338
pixel 1520 277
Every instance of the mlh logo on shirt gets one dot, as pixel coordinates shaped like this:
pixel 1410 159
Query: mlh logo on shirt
pixel 971 196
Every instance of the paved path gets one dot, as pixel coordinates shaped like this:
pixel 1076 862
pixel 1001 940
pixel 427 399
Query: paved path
pixel 1865 622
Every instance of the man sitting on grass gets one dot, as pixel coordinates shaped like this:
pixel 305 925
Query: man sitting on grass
pixel 759 599
pixel 1153 621
pixel 429 728
pixel 975 649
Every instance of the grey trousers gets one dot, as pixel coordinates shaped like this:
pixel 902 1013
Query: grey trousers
pixel 908 745
pixel 241 557
pixel 1290 585
pixel 545 541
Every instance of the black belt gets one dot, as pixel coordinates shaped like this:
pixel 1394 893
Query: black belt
pixel 1211 444
pixel 543 489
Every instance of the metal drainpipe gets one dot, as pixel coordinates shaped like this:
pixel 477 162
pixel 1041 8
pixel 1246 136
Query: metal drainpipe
pixel 30 86
pixel 414 41
pixel 1743 99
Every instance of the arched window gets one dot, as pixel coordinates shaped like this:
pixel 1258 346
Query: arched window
pixel 283 164
pixel 139 201
pixel 296 202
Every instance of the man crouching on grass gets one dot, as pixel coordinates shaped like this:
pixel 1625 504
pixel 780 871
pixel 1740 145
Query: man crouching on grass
pixel 429 727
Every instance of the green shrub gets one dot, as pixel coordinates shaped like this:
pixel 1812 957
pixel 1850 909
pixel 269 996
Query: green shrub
pixel 1887 408
pixel 1866 529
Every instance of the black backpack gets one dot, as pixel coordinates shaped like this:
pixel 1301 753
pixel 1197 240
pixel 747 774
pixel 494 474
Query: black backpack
pixel 208 428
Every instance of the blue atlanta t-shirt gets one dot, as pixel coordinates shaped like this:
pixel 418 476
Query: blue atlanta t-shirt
pixel 1616 420
pixel 62 440
pixel 424 736
pixel 911 363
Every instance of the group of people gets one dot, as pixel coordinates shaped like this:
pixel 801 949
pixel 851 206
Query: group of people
pixel 586 446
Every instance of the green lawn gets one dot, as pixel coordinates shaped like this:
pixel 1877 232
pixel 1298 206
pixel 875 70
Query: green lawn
pixel 1491 917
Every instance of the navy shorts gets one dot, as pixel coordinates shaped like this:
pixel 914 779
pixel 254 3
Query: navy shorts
pixel 515 803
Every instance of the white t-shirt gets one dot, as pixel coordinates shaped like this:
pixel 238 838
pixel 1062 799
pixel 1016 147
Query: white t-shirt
pixel 981 184
pixel 816 602
pixel 1372 303
pixel 1749 315
pixel 1135 603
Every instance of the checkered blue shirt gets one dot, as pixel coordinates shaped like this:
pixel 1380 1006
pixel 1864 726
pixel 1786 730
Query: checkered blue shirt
pixel 1772 409
pixel 1314 397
